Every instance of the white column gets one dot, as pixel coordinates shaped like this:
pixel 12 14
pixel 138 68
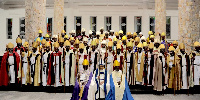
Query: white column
pixel 160 14
pixel 58 16
pixel 188 22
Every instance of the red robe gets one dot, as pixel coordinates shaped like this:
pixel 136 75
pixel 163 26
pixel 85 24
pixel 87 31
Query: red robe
pixel 21 48
pixel 51 76
pixel 4 70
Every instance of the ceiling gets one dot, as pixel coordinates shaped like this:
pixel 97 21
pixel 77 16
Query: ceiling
pixel 141 4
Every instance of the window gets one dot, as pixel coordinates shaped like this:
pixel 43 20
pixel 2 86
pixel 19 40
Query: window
pixel 65 23
pixel 122 24
pixel 108 23
pixel 138 24
pixel 168 27
pixel 49 26
pixel 93 23
pixel 9 28
pixel 152 24
pixel 22 27
pixel 77 24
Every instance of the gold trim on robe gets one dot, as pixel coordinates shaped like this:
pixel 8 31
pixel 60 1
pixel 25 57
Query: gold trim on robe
pixel 139 76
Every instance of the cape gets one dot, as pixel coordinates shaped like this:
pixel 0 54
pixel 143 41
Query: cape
pixel 4 79
pixel 105 82
pixel 51 75
pixel 111 94
pixel 75 95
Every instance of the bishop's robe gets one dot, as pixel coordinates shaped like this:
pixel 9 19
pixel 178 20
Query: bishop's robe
pixel 139 67
pixel 35 68
pixel 185 68
pixel 81 93
pixel 9 67
pixel 174 73
pixel 46 62
pixel 54 74
pixel 118 92
pixel 94 89
pixel 93 57
pixel 68 66
pixel 158 72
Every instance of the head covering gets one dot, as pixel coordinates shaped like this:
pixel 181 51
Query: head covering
pixel 120 32
pixel 85 62
pixel 157 41
pixel 112 31
pixel 139 45
pixel 47 44
pixel 162 46
pixel 137 39
pixel 132 40
pixel 118 46
pixel 181 46
pixel 40 31
pixel 106 32
pixel 124 38
pixel 67 43
pixel 151 45
pixel 47 36
pixel 175 42
pixel 145 44
pixel 129 44
pixel 103 42
pixel 61 40
pixel 141 33
pixel 196 44
pixel 163 34
pixel 85 39
pixel 38 40
pixel 26 44
pixel 34 45
pixel 81 46
pixel 77 41
pixel 63 31
pixel 10 45
pixel 55 36
pixel 116 63
pixel 150 32
pixel 73 31
pixel 152 36
pixel 66 37
pixel 134 34
pixel 56 44
pixel 98 33
pixel 128 33
pixel 43 41
pixel 71 38
pixel 83 30
pixel 171 48
pixel 116 34
pixel 90 32
pixel 143 38
pixel 18 40
pixel 114 39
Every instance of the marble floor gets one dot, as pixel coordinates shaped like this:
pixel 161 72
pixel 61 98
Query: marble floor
pixel 15 95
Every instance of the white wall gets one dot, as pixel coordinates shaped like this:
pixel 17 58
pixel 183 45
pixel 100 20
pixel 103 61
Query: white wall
pixel 86 12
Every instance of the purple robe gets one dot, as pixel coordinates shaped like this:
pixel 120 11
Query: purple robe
pixel 75 95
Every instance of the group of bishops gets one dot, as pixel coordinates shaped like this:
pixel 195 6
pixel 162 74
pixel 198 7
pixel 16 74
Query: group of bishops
pixel 102 65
